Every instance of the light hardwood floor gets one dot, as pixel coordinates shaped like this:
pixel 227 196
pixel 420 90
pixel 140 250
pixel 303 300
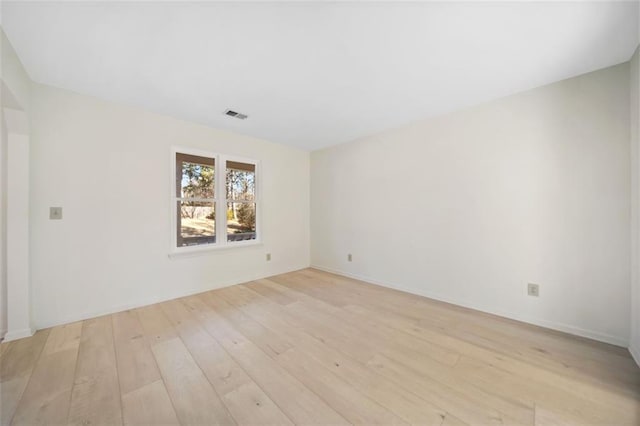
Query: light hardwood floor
pixel 311 347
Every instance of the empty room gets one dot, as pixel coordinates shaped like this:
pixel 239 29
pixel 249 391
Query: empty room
pixel 320 213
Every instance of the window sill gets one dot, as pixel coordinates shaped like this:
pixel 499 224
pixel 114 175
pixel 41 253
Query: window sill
pixel 201 251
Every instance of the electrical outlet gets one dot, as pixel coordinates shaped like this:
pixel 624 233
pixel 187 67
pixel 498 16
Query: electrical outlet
pixel 55 213
pixel 268 257
pixel 533 290
pixel 349 257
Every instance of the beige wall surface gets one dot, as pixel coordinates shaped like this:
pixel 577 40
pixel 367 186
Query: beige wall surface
pixel 472 206
pixel 635 204
pixel 108 166
pixel 15 94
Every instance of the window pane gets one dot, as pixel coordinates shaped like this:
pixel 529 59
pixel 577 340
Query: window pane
pixel 241 181
pixel 196 223
pixel 195 176
pixel 241 221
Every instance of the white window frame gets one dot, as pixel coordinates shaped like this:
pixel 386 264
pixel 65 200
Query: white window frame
pixel 220 199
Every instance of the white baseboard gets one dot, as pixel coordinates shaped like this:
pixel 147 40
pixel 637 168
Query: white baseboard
pixel 18 334
pixel 2 333
pixel 152 300
pixel 566 328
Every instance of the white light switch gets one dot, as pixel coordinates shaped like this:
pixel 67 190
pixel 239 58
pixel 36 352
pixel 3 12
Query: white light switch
pixel 55 213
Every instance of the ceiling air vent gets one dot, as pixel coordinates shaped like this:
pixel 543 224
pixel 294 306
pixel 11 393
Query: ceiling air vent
pixel 235 114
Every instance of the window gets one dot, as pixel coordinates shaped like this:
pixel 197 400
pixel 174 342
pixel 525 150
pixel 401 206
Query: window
pixel 215 201
pixel 241 196
pixel 195 204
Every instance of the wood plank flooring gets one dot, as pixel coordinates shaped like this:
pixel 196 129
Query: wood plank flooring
pixel 310 347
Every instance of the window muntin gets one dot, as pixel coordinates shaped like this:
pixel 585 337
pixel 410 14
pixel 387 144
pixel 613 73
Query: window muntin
pixel 204 183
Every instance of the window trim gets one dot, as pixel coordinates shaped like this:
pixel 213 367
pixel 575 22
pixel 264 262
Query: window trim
pixel 220 197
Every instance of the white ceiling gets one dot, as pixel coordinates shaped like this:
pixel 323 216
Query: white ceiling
pixel 314 74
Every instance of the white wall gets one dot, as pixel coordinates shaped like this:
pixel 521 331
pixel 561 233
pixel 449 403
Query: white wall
pixel 471 206
pixel 18 299
pixel 107 165
pixel 14 75
pixel 15 91
pixel 4 147
pixel 634 346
